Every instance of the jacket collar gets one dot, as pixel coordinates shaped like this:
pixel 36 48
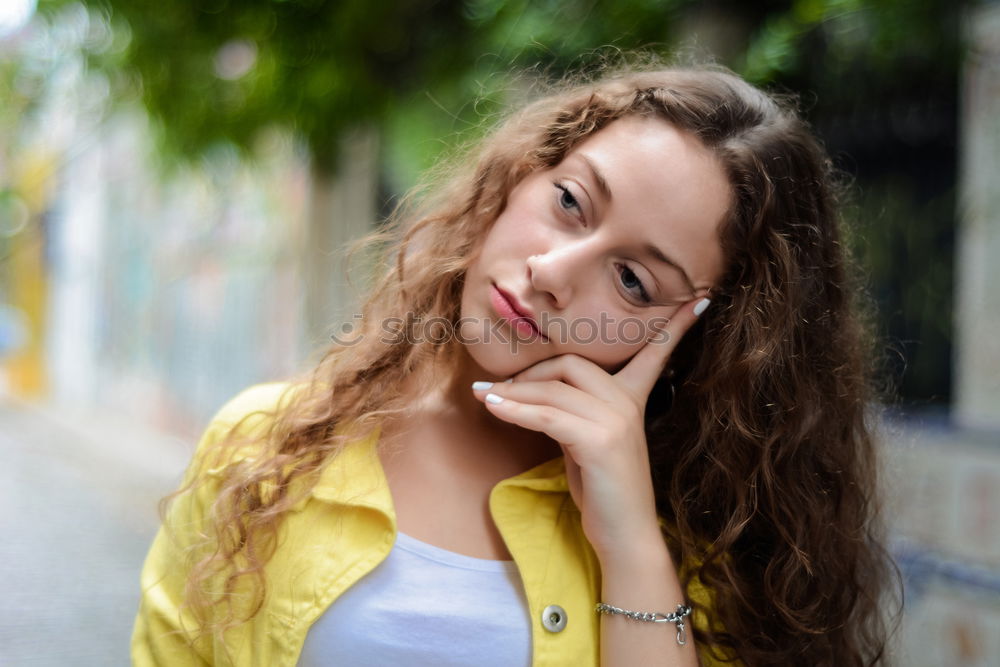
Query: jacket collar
pixel 355 476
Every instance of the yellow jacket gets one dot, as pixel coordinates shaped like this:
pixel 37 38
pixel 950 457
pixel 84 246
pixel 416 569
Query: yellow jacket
pixel 342 531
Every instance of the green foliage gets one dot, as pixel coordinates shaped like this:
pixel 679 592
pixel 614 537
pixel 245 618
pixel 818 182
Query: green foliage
pixel 853 56
pixel 900 246
pixel 830 38
pixel 221 70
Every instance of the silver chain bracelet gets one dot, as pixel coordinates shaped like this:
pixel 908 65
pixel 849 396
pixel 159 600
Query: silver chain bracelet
pixel 677 617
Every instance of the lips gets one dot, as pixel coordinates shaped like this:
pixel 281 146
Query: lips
pixel 508 307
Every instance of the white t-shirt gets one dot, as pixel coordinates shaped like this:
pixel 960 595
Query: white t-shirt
pixel 426 606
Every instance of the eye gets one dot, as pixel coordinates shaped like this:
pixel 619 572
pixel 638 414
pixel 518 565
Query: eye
pixel 567 201
pixel 632 285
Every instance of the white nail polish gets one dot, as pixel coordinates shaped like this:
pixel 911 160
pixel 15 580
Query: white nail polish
pixel 479 386
pixel 493 398
pixel 700 307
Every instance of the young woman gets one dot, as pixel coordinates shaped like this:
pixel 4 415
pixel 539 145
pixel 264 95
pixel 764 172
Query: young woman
pixel 607 404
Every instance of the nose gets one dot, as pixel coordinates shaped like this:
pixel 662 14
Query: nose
pixel 557 272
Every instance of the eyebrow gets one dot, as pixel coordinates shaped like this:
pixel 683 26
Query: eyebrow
pixel 602 183
pixel 649 248
pixel 658 254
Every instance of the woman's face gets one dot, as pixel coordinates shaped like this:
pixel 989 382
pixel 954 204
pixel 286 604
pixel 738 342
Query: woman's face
pixel 617 236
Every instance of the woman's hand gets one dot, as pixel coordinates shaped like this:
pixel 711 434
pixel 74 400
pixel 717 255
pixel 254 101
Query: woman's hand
pixel 598 420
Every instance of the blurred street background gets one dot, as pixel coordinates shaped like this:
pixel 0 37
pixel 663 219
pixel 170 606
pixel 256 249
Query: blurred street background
pixel 177 181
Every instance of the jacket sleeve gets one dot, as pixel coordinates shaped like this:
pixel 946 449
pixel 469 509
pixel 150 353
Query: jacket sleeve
pixel 161 636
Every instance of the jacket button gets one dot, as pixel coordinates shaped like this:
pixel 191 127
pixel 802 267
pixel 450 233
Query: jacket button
pixel 554 618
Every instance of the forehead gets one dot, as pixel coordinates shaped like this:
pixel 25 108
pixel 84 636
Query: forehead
pixel 666 187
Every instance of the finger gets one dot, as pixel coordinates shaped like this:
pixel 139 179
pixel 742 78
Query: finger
pixel 642 371
pixel 563 427
pixel 553 393
pixel 576 371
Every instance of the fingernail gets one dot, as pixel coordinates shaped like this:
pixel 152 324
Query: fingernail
pixel 509 380
pixel 479 386
pixel 493 398
pixel 700 307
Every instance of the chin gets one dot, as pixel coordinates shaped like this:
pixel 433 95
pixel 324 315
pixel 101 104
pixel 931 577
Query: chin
pixel 506 364
pixel 496 360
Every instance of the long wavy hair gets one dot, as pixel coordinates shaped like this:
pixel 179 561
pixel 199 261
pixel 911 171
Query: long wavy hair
pixel 760 432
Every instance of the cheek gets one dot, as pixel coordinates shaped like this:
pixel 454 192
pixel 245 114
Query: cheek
pixel 607 341
pixel 528 215
pixel 499 240
pixel 481 256
pixel 610 341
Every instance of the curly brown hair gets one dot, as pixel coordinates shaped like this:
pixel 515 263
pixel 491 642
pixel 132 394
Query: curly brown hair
pixel 760 436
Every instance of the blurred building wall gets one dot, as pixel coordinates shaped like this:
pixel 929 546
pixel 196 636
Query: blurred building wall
pixel 170 294
pixel 944 478
pixel 978 313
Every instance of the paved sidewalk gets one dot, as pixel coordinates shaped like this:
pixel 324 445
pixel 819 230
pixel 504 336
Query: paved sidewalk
pixel 78 495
